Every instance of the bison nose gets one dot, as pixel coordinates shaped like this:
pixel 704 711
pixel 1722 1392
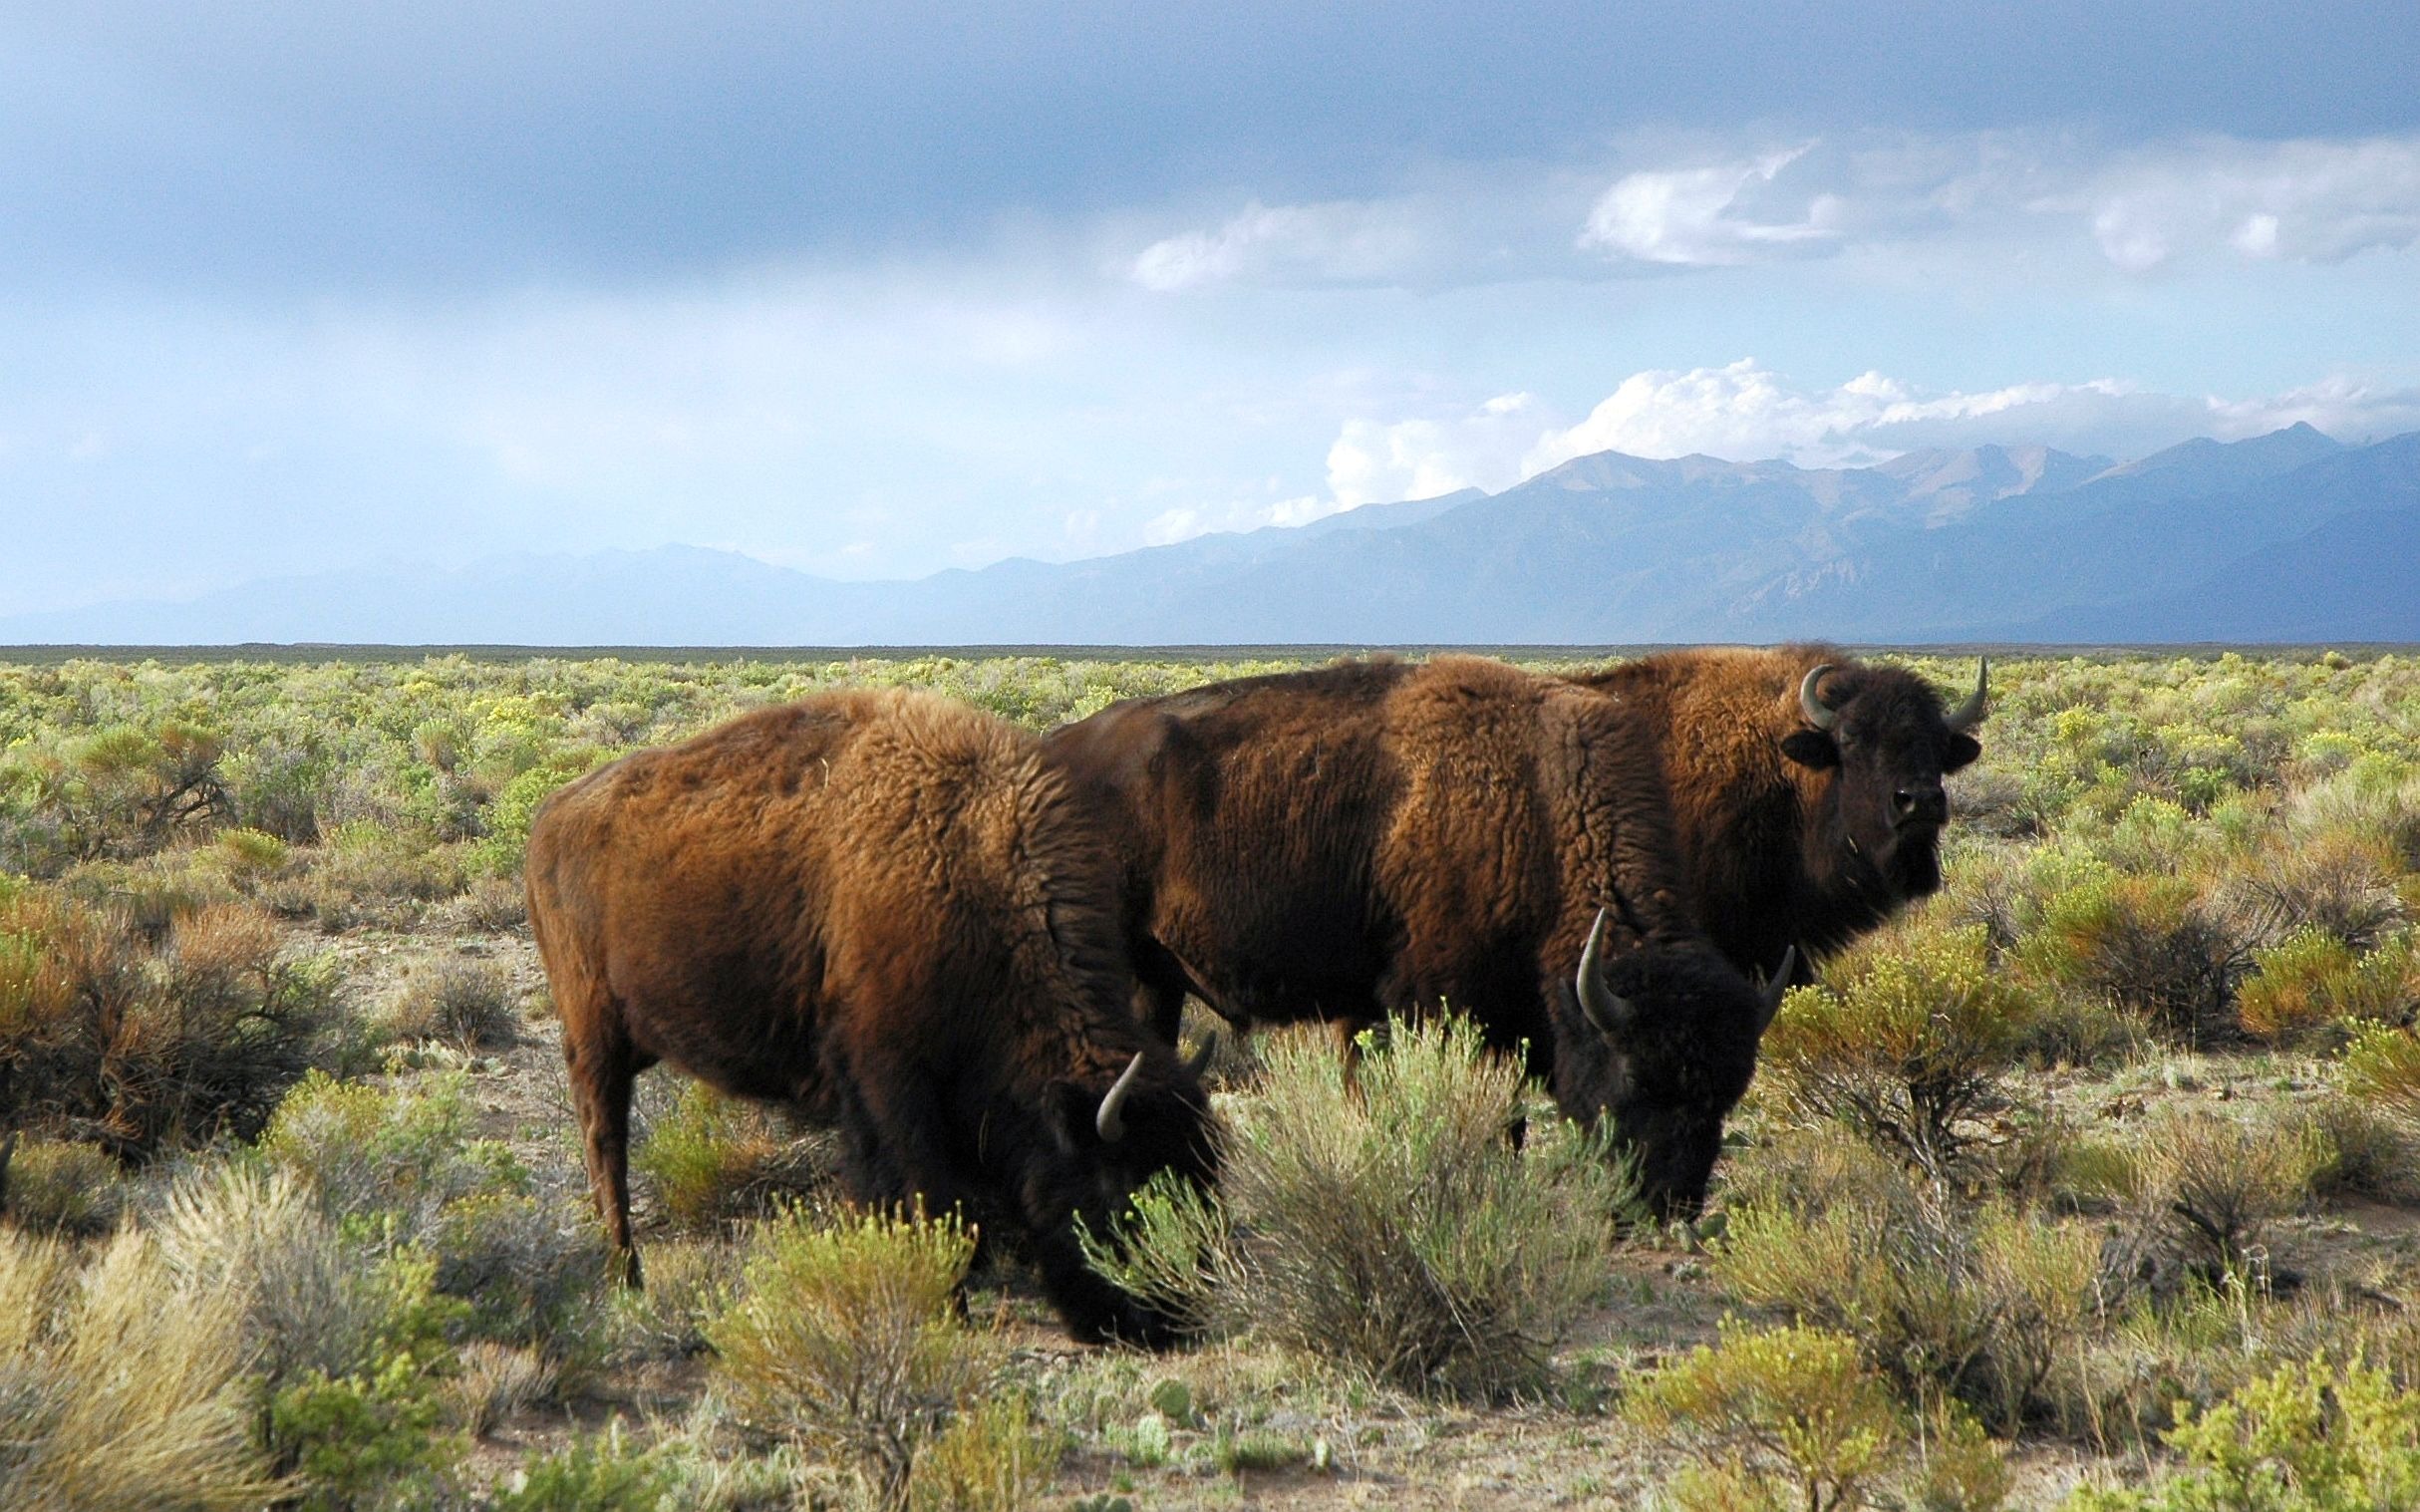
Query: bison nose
pixel 1923 803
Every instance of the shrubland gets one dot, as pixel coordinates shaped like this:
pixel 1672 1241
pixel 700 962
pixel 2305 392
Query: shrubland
pixel 2088 1181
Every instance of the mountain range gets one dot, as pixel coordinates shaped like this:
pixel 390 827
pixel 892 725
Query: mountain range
pixel 2288 537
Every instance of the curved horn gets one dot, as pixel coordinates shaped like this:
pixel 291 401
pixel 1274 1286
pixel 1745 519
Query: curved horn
pixel 1111 1120
pixel 1818 713
pixel 1607 1009
pixel 1970 713
pixel 1770 993
pixel 1199 1060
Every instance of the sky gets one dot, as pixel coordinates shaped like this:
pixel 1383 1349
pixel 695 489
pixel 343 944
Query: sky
pixel 874 290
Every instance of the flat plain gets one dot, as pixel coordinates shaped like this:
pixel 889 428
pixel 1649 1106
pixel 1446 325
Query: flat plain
pixel 2088 1181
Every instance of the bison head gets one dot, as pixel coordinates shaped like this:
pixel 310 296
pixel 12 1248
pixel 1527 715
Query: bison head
pixel 1669 1047
pixel 1109 1138
pixel 1883 735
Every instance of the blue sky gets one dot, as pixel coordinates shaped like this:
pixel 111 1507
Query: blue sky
pixel 877 290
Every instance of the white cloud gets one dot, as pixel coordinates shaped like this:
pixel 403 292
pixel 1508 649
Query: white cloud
pixel 1698 216
pixel 2308 201
pixel 1375 462
pixel 1744 412
pixel 1341 241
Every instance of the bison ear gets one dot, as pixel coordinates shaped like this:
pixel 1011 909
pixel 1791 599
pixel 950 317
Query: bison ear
pixel 1961 750
pixel 1814 749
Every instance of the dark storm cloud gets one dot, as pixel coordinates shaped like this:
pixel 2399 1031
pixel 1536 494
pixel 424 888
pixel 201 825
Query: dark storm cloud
pixel 388 144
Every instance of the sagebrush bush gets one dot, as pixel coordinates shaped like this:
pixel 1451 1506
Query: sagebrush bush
pixel 1904 1040
pixel 120 1386
pixel 844 1335
pixel 459 1000
pixel 527 1265
pixel 60 1187
pixel 2314 986
pixel 2382 1068
pixel 2154 947
pixel 712 1159
pixel 1976 1300
pixel 1390 1224
pixel 134 1044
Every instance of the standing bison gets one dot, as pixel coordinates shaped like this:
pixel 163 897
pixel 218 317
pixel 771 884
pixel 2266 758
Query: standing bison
pixel 1806 787
pixel 1375 837
pixel 877 907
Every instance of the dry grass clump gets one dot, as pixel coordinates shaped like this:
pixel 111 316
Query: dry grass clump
pixel 2314 986
pixel 713 1159
pixel 1903 1040
pixel 493 1381
pixel 131 1044
pixel 2206 1188
pixel 1390 1224
pixel 122 1387
pixel 459 1001
pixel 2335 884
pixel 844 1338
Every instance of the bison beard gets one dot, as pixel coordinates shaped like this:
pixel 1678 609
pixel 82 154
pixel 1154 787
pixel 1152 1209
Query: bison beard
pixel 1373 837
pixel 877 908
pixel 1806 789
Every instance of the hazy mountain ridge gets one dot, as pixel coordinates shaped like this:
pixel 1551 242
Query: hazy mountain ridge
pixel 2287 536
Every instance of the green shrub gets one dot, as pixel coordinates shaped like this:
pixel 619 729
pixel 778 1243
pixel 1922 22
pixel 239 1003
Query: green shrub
pixel 712 1159
pixel 1390 1224
pixel 2307 1438
pixel 2151 946
pixel 844 1338
pixel 588 1477
pixel 992 1458
pixel 1788 1417
pixel 1905 1042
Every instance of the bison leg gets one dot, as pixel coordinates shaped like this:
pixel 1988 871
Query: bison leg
pixel 602 1067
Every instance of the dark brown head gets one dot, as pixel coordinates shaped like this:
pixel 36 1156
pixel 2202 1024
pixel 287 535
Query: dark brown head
pixel 1883 735
pixel 1109 1138
pixel 1666 1045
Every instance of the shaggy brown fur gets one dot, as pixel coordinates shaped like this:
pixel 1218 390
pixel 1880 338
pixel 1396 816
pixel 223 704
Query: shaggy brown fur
pixel 1375 837
pixel 878 908
pixel 1788 835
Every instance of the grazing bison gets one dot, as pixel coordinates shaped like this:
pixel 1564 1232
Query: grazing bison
pixel 1375 837
pixel 877 907
pixel 1806 787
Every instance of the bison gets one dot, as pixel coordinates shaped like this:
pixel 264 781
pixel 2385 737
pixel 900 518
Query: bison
pixel 878 908
pixel 1373 837
pixel 1806 787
